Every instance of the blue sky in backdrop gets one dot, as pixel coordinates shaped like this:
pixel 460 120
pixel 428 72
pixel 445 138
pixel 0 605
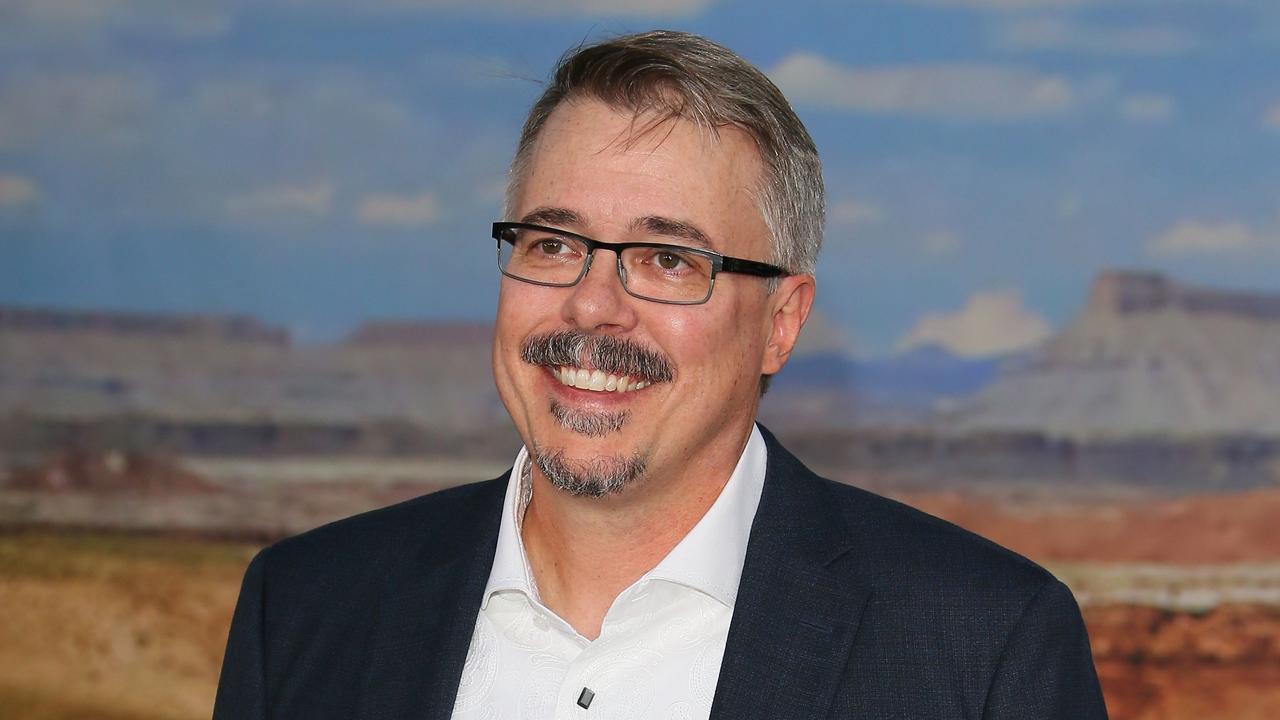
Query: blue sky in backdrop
pixel 321 163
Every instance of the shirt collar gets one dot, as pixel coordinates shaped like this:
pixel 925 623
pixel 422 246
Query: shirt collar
pixel 511 569
pixel 708 559
pixel 711 556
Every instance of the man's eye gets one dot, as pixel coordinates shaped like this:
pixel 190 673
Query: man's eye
pixel 550 247
pixel 668 261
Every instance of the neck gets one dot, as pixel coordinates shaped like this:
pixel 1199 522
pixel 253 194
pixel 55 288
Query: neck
pixel 585 551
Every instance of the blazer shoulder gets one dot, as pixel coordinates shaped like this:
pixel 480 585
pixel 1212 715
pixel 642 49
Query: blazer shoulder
pixel 446 522
pixel 995 623
pixel 899 549
pixel 909 535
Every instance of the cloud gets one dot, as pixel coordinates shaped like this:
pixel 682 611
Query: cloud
pixel 491 189
pixel 642 8
pixel 282 204
pixel 1015 5
pixel 821 336
pixel 44 23
pixel 1022 6
pixel 106 108
pixel 1146 108
pixel 18 192
pixel 852 212
pixel 973 91
pixel 941 242
pixel 241 145
pixel 287 96
pixel 1207 239
pixel 1045 33
pixel 991 323
pixel 1068 206
pixel 1272 117
pixel 92 23
pixel 608 8
pixel 405 211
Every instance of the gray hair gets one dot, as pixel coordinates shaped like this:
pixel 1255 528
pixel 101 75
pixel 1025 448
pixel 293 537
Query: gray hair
pixel 682 76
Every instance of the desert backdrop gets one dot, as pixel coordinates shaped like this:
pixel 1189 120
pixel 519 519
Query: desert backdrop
pixel 247 287
pixel 146 457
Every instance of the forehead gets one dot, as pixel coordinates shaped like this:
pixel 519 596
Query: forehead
pixel 612 167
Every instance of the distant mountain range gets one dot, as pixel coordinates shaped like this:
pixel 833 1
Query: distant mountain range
pixel 832 388
pixel 211 368
pixel 917 378
pixel 215 369
pixel 1146 357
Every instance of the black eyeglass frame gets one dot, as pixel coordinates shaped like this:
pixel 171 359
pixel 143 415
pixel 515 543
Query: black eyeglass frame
pixel 719 263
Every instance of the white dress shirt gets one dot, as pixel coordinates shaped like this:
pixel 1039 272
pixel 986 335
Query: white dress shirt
pixel 660 645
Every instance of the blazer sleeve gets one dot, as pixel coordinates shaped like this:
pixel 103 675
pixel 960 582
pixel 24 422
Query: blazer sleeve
pixel 241 686
pixel 1046 670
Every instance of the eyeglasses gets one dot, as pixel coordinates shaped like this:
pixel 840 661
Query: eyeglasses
pixel 659 272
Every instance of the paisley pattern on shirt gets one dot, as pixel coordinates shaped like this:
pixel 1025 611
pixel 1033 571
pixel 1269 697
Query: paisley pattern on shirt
pixel 480 670
pixel 661 643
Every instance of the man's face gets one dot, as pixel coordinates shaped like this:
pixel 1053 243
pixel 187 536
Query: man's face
pixel 592 173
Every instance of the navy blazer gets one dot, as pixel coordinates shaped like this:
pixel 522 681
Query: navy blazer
pixel 850 606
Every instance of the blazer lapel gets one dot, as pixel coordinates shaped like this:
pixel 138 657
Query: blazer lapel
pixel 423 628
pixel 795 619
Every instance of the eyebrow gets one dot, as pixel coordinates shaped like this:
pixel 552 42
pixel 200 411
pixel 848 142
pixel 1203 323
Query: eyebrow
pixel 553 216
pixel 650 224
pixel 668 227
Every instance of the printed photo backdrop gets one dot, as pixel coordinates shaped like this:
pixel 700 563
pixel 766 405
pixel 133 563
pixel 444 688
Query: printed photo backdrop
pixel 246 287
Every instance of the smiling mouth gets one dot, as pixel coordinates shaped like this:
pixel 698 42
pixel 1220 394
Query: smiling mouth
pixel 596 380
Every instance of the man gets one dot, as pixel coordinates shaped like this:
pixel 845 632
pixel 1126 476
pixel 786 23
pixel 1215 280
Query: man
pixel 653 553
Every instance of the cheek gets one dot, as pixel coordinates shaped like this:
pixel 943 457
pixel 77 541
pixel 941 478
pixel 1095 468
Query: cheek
pixel 684 336
pixel 517 318
pixel 504 327
pixel 718 346
pixel 521 307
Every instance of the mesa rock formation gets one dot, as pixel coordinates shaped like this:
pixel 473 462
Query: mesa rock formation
pixel 1148 356
pixel 216 372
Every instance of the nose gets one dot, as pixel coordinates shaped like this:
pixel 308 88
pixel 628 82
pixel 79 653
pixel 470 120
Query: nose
pixel 599 302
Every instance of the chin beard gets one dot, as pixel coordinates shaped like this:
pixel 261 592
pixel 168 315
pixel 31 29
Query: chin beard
pixel 592 424
pixel 595 478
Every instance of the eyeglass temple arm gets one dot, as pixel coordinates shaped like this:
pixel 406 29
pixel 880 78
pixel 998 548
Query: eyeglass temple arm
pixel 751 267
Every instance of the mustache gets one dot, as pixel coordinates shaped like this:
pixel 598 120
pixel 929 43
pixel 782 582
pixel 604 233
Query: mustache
pixel 614 355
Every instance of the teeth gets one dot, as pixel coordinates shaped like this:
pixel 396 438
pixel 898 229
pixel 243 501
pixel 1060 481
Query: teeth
pixel 596 380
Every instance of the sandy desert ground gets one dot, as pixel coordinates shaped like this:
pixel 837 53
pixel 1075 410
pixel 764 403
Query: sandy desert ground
pixel 113 627
pixel 131 627
pixel 1182 595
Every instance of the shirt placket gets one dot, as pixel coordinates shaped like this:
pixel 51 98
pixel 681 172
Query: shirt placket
pixel 616 632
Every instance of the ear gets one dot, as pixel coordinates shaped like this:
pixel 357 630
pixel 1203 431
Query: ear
pixel 789 308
